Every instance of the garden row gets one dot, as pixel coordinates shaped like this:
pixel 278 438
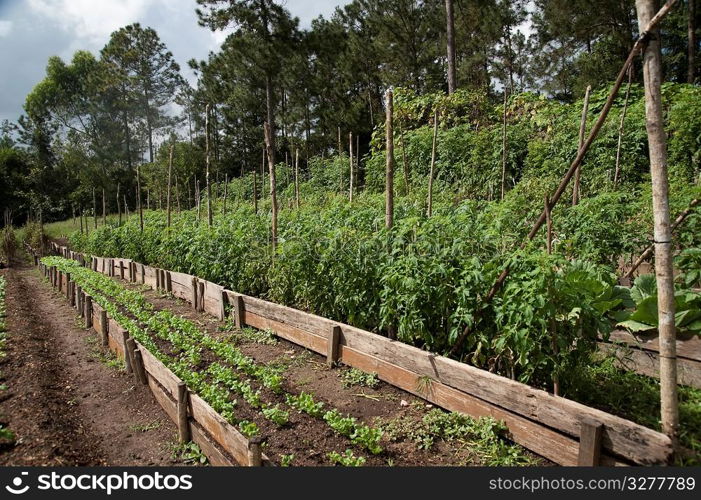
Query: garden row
pixel 559 429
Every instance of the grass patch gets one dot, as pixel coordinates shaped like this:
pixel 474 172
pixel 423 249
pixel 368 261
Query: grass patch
pixel 636 397
pixel 353 377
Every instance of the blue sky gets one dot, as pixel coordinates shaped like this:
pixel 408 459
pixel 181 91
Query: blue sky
pixel 33 30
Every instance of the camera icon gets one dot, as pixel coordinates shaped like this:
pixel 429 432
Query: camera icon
pixel 16 488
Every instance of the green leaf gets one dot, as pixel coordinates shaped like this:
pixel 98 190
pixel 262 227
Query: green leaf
pixel 635 326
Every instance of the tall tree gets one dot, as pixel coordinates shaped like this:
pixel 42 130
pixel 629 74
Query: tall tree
pixel 450 35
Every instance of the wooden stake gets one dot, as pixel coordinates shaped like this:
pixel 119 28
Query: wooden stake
pixel 239 311
pixel 183 422
pixel 297 178
pixel 617 171
pixel 590 443
pixel 255 455
pixel 194 293
pixel 104 208
pixel 582 129
pixel 350 154
pixel 119 208
pixel 226 189
pixel 429 210
pixel 128 366
pixel 209 184
pixel 94 207
pixel 88 311
pixel 273 194
pixel 389 170
pixel 333 341
pixel 170 173
pixel 104 328
pixel 405 163
pixel 503 148
pixel 664 272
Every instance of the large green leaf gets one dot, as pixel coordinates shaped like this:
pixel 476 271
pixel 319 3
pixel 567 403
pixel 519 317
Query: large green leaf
pixel 644 286
pixel 646 312
pixel 635 326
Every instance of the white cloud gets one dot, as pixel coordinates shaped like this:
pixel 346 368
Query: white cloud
pixel 5 28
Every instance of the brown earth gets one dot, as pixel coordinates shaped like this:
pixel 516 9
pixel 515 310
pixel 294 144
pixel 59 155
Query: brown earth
pixel 65 404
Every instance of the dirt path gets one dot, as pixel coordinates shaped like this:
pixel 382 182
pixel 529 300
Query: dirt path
pixel 65 402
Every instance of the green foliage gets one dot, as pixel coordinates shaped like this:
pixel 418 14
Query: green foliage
pixel 485 436
pixel 189 453
pixel 346 459
pixel 644 317
pixel 304 402
pixel 353 376
pixel 286 460
pixel 689 264
pixel 276 414
pixel 248 429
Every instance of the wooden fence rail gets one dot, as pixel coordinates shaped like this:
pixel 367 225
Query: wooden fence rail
pixel 551 426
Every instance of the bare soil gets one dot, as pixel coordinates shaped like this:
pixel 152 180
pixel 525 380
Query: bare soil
pixel 64 403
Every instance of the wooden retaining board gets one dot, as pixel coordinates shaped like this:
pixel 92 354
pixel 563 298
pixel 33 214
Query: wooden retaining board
pixel 163 383
pixel 620 437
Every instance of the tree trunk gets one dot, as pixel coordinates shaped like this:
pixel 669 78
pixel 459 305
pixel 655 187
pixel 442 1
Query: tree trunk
pixel 125 120
pixel 617 171
pixel 429 210
pixel 652 73
pixel 177 193
pixel 389 170
pixel 273 195
pixel 691 52
pixel 450 31
pixel 170 175
pixel 582 129
pixel 270 119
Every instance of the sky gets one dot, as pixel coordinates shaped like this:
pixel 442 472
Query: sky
pixel 31 31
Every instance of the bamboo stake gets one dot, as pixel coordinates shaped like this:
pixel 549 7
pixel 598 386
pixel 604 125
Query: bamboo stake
pixel 389 170
pixel 429 210
pixel 642 39
pixel 664 272
pixel 209 184
pixel 350 153
pixel 273 194
pixel 553 326
pixel 405 164
pixel 576 195
pixel 119 207
pixel 297 178
pixel 503 149
pixel 617 171
pixel 170 173
pixel 648 250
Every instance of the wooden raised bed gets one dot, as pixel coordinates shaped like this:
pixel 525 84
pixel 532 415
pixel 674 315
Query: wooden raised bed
pixel 556 428
pixel 220 441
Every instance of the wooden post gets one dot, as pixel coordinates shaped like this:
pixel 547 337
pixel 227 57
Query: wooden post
pixel 183 423
pixel 617 171
pixel 104 328
pixel 170 172
pixel 143 274
pixel 88 311
pixel 297 178
pixel 158 279
pixel 72 297
pixel 194 293
pixel 79 305
pixel 169 282
pixel 239 311
pixel 127 355
pixel 503 148
pixel 60 281
pixel 224 302
pixel 119 207
pixel 68 286
pixel 273 194
pixel 589 443
pixel 209 183
pixel 553 325
pixel 450 31
pixel 139 367
pixel 94 207
pixel 429 210
pixel 333 340
pixel 389 170
pixel 200 296
pixel 121 269
pixel 255 455
pixel 664 271
pixel 582 129
pixel 350 155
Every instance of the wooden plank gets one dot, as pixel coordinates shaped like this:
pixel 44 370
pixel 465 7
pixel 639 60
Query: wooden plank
pixel 212 303
pixel 183 421
pixel 546 442
pixel 300 337
pixel 209 448
pixel 621 436
pixel 590 443
pixel 167 403
pixel 156 369
pixel 688 346
pixel 221 431
pixel 647 363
